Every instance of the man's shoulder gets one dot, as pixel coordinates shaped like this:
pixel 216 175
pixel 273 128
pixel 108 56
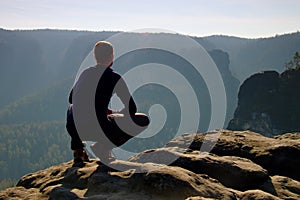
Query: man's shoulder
pixel 87 70
pixel 92 70
pixel 96 71
pixel 113 73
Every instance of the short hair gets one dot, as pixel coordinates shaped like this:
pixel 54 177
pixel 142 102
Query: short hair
pixel 104 53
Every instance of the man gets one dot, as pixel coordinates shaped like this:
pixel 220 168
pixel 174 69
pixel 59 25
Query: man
pixel 89 115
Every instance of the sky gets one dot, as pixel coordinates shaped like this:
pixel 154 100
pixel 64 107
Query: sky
pixel 241 18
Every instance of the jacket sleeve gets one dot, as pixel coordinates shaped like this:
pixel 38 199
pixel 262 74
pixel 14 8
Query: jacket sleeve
pixel 70 96
pixel 125 96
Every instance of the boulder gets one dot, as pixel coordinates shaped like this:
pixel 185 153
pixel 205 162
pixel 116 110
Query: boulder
pixel 231 171
pixel 256 195
pixel 21 193
pixel 134 181
pixel 288 136
pixel 232 165
pixel 283 187
pixel 277 156
pixel 268 103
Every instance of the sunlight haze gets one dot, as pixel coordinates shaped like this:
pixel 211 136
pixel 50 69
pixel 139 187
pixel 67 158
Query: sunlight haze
pixel 250 19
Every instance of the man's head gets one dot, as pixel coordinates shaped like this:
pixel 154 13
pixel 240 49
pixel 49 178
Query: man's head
pixel 104 53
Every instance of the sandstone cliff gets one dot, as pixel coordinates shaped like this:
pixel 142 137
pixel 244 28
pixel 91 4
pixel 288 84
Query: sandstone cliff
pixel 268 103
pixel 240 165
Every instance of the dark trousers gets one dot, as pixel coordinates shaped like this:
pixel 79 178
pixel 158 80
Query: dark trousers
pixel 110 128
pixel 76 142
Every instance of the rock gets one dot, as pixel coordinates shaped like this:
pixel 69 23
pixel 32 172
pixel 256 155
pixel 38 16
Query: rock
pixel 21 193
pixel 137 181
pixel 288 136
pixel 60 192
pixel 257 195
pixel 236 168
pixel 234 172
pixel 283 187
pixel 198 198
pixel 231 83
pixel 247 195
pixel 268 103
pixel 279 157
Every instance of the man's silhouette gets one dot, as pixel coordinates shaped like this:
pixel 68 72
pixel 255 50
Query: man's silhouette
pixel 89 115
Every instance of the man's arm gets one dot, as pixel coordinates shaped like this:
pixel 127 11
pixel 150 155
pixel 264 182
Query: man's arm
pixel 123 93
pixel 70 96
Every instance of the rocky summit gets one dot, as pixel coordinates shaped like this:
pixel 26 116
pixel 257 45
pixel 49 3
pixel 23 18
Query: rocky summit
pixel 268 103
pixel 219 164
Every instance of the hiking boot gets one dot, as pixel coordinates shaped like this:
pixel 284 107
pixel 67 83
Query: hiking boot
pixel 80 156
pixel 104 154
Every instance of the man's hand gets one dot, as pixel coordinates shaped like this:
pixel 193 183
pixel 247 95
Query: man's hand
pixel 109 111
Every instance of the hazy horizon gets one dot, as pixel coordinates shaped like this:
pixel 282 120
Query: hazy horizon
pixel 83 30
pixel 245 19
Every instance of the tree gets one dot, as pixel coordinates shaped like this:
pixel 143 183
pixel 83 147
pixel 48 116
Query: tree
pixel 295 63
pixel 297 60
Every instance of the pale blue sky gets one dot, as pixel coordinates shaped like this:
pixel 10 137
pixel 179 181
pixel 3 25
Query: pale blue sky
pixel 243 18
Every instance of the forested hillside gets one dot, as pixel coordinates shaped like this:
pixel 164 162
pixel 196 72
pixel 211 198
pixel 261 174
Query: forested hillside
pixel 34 60
pixel 38 67
pixel 25 148
pixel 249 56
pixel 46 105
pixel 31 61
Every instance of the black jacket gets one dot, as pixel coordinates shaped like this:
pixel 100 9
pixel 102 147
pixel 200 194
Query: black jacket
pixel 109 82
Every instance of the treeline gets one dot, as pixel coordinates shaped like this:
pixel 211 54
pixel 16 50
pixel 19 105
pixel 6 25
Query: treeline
pixel 47 105
pixel 27 148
